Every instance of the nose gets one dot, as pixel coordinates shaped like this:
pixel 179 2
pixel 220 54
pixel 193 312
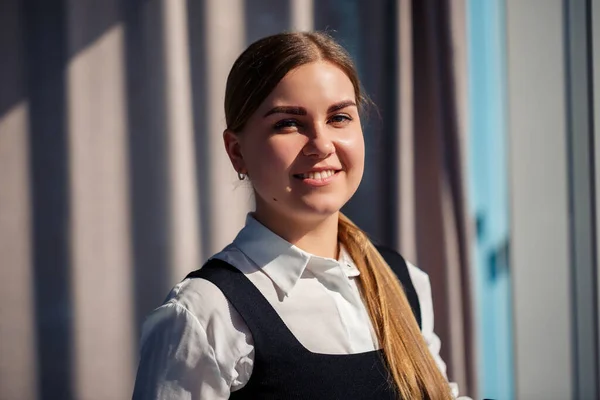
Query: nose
pixel 319 143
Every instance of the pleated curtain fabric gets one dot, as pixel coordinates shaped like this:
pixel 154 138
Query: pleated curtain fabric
pixel 114 183
pixel 443 229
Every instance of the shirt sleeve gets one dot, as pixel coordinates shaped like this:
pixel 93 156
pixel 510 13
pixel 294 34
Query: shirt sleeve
pixel 177 360
pixel 420 281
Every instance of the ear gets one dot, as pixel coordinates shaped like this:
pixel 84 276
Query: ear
pixel 234 151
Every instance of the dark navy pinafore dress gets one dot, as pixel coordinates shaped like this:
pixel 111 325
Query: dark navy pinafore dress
pixel 283 368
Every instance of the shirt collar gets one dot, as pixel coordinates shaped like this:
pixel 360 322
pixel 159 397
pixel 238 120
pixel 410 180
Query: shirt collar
pixel 281 261
pixel 346 261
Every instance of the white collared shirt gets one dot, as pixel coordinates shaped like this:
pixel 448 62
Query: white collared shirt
pixel 196 345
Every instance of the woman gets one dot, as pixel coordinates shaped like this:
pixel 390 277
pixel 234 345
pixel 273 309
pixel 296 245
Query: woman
pixel 301 304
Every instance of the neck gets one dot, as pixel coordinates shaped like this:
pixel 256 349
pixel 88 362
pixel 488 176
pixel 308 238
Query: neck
pixel 318 236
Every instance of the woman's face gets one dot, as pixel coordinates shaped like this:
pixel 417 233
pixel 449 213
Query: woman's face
pixel 303 149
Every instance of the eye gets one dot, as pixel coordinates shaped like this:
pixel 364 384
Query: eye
pixel 339 120
pixel 286 125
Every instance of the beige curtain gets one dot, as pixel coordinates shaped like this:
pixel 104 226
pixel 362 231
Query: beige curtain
pixel 114 183
pixel 442 227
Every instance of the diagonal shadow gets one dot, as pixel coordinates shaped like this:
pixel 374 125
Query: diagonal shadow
pixel 45 47
pixel 148 163
pixel 265 17
pixel 197 38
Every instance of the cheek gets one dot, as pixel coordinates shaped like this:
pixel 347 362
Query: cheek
pixel 352 149
pixel 271 158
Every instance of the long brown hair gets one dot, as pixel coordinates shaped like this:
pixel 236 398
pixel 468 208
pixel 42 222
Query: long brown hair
pixel 252 78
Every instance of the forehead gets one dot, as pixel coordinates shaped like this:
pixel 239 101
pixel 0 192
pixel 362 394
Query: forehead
pixel 312 85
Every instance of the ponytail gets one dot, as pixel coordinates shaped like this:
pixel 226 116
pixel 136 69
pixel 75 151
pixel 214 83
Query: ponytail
pixel 410 364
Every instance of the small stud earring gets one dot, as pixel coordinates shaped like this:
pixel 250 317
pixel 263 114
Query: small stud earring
pixel 241 176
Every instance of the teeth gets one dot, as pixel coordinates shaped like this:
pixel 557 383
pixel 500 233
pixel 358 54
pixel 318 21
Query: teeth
pixel 319 175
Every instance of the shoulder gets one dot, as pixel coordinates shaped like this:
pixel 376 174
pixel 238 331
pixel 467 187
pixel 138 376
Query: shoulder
pixel 199 305
pixel 191 306
pixel 400 265
pixel 201 297
pixel 417 276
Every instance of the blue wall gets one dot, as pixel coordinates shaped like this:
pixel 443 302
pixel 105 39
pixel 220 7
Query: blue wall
pixel 489 196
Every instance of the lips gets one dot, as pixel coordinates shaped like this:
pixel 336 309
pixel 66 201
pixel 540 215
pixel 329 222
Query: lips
pixel 317 175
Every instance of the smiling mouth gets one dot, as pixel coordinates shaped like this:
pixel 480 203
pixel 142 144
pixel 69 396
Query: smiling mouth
pixel 318 175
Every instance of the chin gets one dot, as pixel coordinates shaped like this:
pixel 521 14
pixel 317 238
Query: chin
pixel 320 209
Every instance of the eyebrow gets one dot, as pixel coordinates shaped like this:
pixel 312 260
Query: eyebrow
pixel 286 110
pixel 340 105
pixel 295 110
